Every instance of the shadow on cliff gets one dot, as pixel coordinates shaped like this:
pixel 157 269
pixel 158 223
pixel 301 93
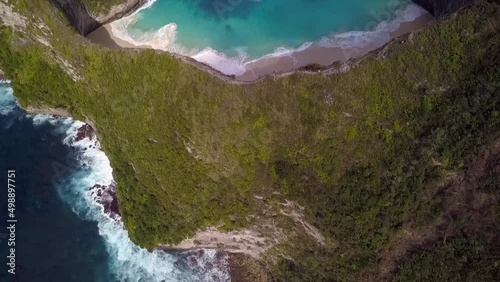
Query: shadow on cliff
pixel 78 15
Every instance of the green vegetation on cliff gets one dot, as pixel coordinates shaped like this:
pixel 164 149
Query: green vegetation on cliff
pixel 366 152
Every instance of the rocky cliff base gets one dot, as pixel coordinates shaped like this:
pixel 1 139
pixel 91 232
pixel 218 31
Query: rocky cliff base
pixel 441 8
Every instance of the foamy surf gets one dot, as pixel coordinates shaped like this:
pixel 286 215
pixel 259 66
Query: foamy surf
pixel 128 261
pixel 87 166
pixel 378 37
pixel 7 101
pixel 165 39
pixel 221 62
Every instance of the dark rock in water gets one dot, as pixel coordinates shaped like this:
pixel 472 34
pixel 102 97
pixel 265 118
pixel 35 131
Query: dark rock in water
pixel 312 67
pixel 442 8
pixel 106 196
pixel 192 261
pixel 86 131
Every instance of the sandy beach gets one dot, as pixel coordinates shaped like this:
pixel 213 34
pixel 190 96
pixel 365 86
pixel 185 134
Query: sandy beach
pixel 323 56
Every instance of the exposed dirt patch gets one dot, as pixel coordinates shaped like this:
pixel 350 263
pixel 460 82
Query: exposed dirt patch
pixel 47 111
pixel 248 241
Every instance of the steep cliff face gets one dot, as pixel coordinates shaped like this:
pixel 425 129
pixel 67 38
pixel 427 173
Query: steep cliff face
pixel 86 21
pixel 441 8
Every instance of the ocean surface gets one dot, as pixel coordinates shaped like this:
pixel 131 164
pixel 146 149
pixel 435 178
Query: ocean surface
pixel 64 230
pixel 229 33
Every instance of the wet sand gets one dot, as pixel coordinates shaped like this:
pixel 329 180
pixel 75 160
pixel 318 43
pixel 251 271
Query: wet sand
pixel 323 56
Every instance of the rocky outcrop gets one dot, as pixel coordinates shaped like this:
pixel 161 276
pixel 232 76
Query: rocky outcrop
pixel 85 131
pixel 11 18
pixel 441 8
pixel 106 197
pixel 85 21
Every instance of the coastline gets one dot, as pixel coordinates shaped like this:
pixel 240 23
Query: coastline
pixel 241 248
pixel 316 57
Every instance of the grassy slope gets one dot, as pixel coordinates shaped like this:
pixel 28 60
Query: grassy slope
pixel 358 150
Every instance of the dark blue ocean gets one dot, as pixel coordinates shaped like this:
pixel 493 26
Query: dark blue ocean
pixel 52 242
pixel 62 233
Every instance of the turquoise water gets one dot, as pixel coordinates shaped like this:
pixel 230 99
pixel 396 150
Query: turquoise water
pixel 258 26
pixel 250 29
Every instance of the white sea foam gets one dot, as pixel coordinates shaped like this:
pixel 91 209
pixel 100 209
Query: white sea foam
pixel 161 39
pixel 221 62
pixel 147 5
pixel 7 100
pixel 165 39
pixel 39 119
pixel 128 262
pixel 8 104
pixel 282 52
